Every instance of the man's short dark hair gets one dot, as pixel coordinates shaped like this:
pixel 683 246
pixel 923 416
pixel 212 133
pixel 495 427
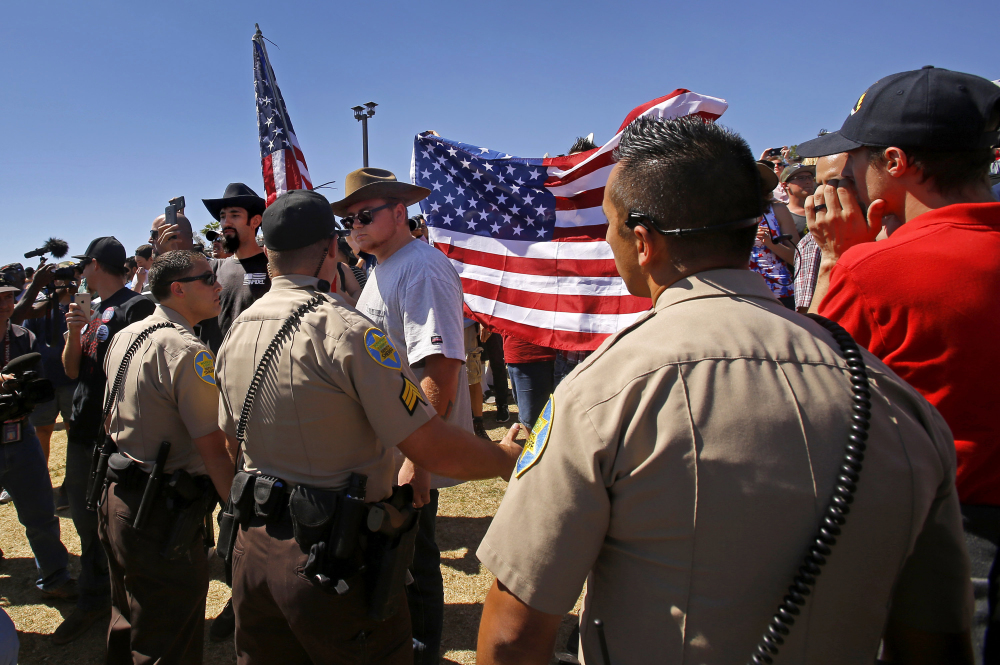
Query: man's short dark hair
pixel 130 263
pixel 582 144
pixel 949 173
pixel 170 266
pixel 145 251
pixel 689 173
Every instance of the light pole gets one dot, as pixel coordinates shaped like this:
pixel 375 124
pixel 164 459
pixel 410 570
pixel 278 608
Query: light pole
pixel 362 113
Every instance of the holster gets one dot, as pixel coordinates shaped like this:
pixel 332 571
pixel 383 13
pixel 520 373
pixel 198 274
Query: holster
pixel 99 471
pixel 189 499
pixel 238 510
pixel 393 525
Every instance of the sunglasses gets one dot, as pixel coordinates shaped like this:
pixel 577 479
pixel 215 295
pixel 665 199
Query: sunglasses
pixel 635 219
pixel 84 262
pixel 207 277
pixel 366 217
pixel 805 177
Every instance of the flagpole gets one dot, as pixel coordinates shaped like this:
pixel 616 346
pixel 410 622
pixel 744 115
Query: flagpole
pixel 258 38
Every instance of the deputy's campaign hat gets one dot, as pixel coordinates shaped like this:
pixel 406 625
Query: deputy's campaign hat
pixel 6 286
pixel 297 219
pixel 929 108
pixel 106 250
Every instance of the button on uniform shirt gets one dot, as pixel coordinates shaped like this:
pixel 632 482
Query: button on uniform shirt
pixel 337 398
pixel 682 470
pixel 169 393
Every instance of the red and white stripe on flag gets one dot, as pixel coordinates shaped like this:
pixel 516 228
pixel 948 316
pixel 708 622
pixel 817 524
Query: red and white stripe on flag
pixel 566 293
pixel 285 170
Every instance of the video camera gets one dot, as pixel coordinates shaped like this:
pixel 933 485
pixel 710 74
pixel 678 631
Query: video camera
pixel 26 390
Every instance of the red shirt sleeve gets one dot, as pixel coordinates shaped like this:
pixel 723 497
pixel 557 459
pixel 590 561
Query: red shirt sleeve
pixel 846 304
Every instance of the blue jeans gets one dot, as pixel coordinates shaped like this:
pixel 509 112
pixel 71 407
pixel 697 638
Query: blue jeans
pixel 94 583
pixel 425 596
pixel 24 474
pixel 533 383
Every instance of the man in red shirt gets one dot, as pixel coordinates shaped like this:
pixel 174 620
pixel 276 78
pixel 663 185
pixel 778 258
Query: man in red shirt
pixel 919 146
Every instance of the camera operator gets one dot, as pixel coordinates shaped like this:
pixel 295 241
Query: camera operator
pixel 24 473
pixel 83 357
pixel 49 328
pixel 28 306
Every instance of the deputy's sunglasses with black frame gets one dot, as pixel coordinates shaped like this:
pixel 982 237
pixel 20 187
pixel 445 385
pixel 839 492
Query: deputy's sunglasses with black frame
pixel 366 217
pixel 645 221
pixel 207 277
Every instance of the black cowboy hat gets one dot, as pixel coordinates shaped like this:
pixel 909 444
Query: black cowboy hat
pixel 237 195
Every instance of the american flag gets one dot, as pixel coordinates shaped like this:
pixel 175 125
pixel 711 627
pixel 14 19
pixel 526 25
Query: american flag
pixel 282 161
pixel 527 235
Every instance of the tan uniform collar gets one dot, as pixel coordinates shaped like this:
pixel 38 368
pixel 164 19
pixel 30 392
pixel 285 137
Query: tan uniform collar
pixel 293 282
pixel 714 284
pixel 164 312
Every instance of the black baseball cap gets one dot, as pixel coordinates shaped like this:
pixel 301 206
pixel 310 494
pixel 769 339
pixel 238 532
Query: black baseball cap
pixel 212 235
pixel 106 250
pixel 930 108
pixel 297 219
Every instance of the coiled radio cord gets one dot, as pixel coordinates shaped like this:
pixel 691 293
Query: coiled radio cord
pixel 840 502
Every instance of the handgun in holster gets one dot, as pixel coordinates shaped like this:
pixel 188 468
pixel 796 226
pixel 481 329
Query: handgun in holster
pixel 328 527
pixel 99 472
pixel 393 528
pixel 189 500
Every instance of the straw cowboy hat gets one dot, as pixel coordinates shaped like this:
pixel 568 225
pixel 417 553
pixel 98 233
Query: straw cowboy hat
pixel 369 183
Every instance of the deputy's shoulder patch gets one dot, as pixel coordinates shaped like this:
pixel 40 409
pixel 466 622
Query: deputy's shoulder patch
pixel 410 395
pixel 537 440
pixel 204 366
pixel 381 349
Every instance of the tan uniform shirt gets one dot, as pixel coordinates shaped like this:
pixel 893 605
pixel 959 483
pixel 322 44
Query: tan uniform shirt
pixel 336 399
pixel 685 471
pixel 168 394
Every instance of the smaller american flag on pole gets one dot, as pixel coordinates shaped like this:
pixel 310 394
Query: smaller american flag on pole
pixel 282 162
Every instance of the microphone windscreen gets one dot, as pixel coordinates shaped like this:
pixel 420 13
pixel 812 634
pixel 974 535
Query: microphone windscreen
pixel 22 363
pixel 57 247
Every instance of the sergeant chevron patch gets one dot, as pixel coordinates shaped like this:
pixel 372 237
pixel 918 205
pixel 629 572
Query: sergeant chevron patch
pixel 410 395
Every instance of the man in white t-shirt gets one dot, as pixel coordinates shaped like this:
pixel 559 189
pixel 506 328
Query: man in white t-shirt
pixel 415 295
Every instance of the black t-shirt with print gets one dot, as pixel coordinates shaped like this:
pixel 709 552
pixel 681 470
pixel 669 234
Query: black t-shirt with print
pixel 243 282
pixel 124 308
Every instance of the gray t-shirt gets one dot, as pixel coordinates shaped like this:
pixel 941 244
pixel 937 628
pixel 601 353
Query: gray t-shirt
pixel 800 223
pixel 416 297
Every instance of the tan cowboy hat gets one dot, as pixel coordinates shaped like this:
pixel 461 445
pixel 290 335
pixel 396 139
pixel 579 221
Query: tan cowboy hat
pixel 369 183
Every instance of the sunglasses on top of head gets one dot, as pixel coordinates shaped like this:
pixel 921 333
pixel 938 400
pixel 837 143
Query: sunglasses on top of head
pixel 207 277
pixel 366 217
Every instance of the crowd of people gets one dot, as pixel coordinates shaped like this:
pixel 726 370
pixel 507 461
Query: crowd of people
pixel 320 379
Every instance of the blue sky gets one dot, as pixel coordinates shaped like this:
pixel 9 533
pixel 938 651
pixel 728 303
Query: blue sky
pixel 111 108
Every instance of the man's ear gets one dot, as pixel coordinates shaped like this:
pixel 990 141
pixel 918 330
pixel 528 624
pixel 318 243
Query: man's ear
pixel 177 290
pixel 647 247
pixel 896 162
pixel 256 221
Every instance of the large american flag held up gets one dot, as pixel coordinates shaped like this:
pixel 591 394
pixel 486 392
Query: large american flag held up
pixel 527 235
pixel 282 161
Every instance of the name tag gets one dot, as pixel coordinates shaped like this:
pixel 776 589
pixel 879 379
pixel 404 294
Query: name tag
pixel 12 432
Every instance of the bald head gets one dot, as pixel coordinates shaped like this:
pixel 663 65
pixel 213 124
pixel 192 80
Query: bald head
pixel 169 237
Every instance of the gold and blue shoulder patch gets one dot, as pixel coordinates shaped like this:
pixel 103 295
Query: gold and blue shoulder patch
pixel 537 440
pixel 204 366
pixel 381 349
pixel 410 395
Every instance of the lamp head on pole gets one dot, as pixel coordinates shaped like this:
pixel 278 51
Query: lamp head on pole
pixel 359 112
pixel 371 108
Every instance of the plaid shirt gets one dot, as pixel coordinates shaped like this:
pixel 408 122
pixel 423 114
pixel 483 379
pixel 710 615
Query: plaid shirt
pixel 806 270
